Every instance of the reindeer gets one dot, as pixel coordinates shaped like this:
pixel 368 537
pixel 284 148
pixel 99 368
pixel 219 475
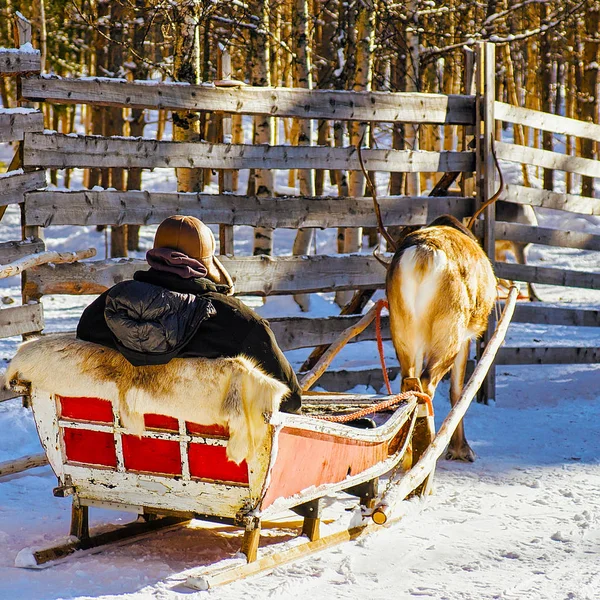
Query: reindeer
pixel 441 289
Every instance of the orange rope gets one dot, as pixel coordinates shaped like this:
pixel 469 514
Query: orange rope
pixel 369 410
pixel 385 404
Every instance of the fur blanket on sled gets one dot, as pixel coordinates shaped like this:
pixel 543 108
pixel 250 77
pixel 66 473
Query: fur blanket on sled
pixel 232 392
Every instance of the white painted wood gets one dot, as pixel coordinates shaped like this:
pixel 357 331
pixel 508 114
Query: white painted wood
pixel 256 275
pixel 89 207
pixel 13 125
pixel 544 158
pixel 14 63
pixel 64 151
pixel 546 122
pixel 18 320
pixel 15 184
pixel 547 199
pixel 279 102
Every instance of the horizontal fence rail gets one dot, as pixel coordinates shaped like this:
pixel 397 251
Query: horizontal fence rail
pixel 527 234
pixel 254 275
pixel 519 194
pixel 548 275
pixel 557 355
pixel 15 62
pixel 11 251
pixel 547 159
pixel 65 151
pixel 19 320
pixel 15 122
pixel 276 102
pixel 545 121
pixel 92 207
pixel 14 184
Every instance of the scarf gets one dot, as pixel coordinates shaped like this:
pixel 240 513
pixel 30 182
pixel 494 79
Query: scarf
pixel 171 261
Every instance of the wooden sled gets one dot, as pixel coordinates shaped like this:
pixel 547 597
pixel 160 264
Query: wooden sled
pixel 178 470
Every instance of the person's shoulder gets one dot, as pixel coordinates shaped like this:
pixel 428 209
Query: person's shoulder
pixel 235 306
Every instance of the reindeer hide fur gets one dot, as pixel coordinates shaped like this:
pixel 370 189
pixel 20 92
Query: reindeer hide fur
pixel 232 392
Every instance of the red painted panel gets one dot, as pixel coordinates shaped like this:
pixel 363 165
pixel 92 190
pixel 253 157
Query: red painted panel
pixel 151 456
pixel 161 422
pixel 306 458
pixel 90 447
pixel 86 409
pixel 212 430
pixel 210 462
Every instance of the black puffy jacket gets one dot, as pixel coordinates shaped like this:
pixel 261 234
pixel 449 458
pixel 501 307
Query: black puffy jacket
pixel 159 316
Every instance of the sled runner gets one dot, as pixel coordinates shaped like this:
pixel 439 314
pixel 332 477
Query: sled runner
pixel 179 469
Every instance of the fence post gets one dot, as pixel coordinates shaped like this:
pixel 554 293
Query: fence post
pixel 486 95
pixel 22 35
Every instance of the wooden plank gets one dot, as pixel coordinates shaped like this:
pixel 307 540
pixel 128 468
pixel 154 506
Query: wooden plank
pixel 519 194
pixel 14 184
pixel 279 102
pixel 15 61
pixel 516 232
pixel 307 332
pixel 21 319
pixel 565 277
pixel 546 159
pixel 63 151
pixel 253 275
pixel 10 251
pixel 10 467
pixel 135 208
pixel 548 356
pixel 546 122
pixel 541 314
pixel 14 122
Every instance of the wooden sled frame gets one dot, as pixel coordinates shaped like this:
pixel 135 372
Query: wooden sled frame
pixel 411 421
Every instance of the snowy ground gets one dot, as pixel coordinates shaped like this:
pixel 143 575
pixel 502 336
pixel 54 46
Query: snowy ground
pixel 522 522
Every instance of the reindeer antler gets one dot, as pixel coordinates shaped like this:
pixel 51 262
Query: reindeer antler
pixel 495 196
pixel 380 224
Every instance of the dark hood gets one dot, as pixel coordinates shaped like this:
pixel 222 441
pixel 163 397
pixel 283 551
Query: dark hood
pixel 151 324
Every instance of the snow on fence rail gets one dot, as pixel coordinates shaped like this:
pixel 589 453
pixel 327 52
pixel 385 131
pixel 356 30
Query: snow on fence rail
pixel 65 151
pixel 276 102
pixel 91 207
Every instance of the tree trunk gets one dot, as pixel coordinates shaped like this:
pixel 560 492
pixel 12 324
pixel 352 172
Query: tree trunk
pixel 186 124
pixel 260 72
pixel 359 132
pixel 589 100
pixel 303 79
pixel 115 122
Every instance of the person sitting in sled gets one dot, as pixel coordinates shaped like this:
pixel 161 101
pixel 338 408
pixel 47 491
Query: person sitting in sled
pixel 183 307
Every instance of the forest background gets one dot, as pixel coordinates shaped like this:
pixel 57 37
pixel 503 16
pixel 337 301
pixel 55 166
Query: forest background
pixel 547 59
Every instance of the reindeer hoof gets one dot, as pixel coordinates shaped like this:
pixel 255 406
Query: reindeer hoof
pixel 463 453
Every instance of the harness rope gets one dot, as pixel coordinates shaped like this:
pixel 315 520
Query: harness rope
pixel 384 404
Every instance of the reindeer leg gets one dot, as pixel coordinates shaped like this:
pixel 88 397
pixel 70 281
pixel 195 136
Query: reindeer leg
pixel 520 251
pixel 459 448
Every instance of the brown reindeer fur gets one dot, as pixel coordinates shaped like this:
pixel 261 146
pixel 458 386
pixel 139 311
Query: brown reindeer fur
pixel 232 392
pixel 441 289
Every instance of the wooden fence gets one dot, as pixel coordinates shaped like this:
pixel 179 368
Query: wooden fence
pixel 265 276
pixel 14 124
